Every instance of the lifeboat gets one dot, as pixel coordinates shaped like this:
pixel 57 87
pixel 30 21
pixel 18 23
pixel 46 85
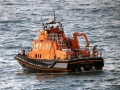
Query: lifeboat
pixel 53 52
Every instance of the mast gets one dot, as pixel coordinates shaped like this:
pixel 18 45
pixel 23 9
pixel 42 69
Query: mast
pixel 54 16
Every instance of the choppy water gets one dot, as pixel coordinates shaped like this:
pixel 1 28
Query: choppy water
pixel 20 21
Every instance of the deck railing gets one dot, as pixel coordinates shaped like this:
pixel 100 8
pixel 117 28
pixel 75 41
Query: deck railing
pixel 75 55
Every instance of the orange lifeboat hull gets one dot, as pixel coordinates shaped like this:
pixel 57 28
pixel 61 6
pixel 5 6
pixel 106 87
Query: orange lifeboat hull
pixel 58 66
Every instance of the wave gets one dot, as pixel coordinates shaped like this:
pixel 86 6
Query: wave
pixel 11 21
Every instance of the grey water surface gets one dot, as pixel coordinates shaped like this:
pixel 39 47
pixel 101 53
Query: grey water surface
pixel 20 21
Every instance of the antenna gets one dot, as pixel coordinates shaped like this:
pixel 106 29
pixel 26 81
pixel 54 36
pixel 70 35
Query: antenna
pixel 54 16
pixel 42 23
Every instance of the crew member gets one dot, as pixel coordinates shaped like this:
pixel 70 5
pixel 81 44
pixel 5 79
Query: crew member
pixel 56 30
pixel 95 51
pixel 51 29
